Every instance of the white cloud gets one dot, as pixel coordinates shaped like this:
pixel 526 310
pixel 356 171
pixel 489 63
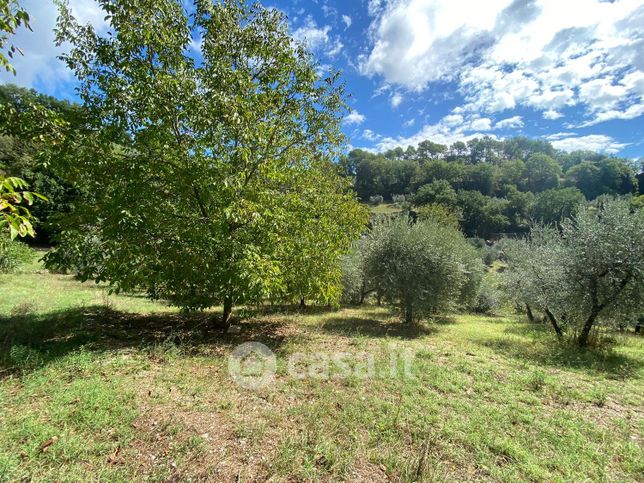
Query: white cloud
pixel 559 135
pixel 369 135
pixel 452 127
pixel 552 114
pixel 409 123
pixel 396 99
pixel 513 122
pixel 318 38
pixel 481 124
pixel 347 21
pixel 40 66
pixel 591 142
pixel 631 112
pixel 354 117
pixel 313 36
pixel 543 54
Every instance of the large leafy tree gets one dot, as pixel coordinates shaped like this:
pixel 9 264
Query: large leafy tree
pixel 198 162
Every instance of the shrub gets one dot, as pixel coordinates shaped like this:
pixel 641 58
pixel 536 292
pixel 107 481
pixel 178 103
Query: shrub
pixel 489 297
pixel 13 254
pixel 376 200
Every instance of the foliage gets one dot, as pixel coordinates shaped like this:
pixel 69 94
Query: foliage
pixel 437 192
pixel 423 267
pixel 483 216
pixel 15 218
pixel 12 17
pixel 592 271
pixel 489 297
pixel 438 213
pixel 26 147
pixel 542 173
pixel 509 175
pixel 13 254
pixel 555 205
pixel 375 200
pixel 602 176
pixel 209 171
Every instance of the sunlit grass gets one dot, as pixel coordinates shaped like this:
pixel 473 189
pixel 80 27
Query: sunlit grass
pixel 117 387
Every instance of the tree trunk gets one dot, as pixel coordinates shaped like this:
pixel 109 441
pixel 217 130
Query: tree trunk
pixel 554 323
pixel 585 330
pixel 409 313
pixel 302 302
pixel 529 312
pixel 228 310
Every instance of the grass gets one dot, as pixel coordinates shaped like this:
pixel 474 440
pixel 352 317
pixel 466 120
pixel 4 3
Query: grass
pixel 118 388
pixel 385 209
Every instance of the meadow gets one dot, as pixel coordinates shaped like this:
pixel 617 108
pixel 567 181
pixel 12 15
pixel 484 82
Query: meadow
pixel 115 387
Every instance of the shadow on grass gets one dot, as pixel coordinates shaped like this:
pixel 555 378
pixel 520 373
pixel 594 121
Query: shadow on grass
pixel 539 345
pixel 48 337
pixel 374 327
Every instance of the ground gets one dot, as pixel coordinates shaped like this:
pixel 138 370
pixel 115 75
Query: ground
pixel 105 387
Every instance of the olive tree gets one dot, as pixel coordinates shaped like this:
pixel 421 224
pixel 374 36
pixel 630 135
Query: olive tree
pixel 197 161
pixel 589 272
pixel 422 267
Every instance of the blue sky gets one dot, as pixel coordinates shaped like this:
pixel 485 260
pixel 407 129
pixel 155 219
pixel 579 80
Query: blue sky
pixel 568 71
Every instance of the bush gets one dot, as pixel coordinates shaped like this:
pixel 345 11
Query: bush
pixel 376 200
pixel 489 297
pixel 398 198
pixel 13 254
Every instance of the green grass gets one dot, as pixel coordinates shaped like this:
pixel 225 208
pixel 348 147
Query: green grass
pixel 385 209
pixel 118 388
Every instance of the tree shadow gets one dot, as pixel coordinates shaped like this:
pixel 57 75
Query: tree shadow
pixel 539 345
pixel 374 327
pixel 33 340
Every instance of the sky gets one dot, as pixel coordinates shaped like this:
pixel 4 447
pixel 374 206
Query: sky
pixel 571 72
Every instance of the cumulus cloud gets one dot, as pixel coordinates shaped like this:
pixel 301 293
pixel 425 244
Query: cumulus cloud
pixel 543 54
pixel 347 21
pixel 455 126
pixel 409 123
pixel 318 38
pixel 552 114
pixel 40 67
pixel 591 142
pixel 354 118
pixel 513 122
pixel 369 135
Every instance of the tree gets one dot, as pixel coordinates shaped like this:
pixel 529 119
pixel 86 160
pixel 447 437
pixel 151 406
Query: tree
pixel 604 265
pixel 423 267
pixel 542 173
pixel 24 151
pixel 439 191
pixel 591 271
pixel 482 215
pixel 555 205
pixel 604 176
pixel 12 16
pixel 198 169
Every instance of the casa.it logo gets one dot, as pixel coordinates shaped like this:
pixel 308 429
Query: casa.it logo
pixel 252 365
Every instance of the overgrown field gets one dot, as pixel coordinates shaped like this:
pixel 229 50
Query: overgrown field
pixel 116 387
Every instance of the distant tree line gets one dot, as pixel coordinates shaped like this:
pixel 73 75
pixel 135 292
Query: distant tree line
pixel 492 186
